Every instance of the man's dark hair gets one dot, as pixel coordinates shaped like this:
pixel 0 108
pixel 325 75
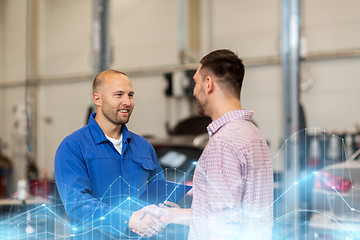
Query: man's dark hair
pixel 99 79
pixel 227 67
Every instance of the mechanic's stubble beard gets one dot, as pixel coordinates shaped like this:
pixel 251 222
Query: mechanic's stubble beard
pixel 114 115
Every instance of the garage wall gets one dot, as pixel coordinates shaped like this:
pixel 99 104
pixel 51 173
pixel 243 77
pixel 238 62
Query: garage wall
pixel 65 37
pixel 13 60
pixel 332 26
pixel 13 35
pixel 13 15
pixel 250 29
pixel 145 34
pixel 332 103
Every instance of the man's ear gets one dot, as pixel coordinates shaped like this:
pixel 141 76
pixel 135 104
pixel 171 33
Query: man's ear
pixel 209 84
pixel 97 99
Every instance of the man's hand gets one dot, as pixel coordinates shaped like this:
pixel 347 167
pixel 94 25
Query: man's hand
pixel 146 222
pixel 162 212
pixel 168 212
pixel 152 219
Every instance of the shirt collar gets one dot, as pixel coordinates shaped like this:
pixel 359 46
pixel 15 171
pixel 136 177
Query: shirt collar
pixel 99 135
pixel 215 125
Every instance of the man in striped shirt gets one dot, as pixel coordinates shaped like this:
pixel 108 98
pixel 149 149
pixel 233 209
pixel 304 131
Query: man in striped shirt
pixel 233 180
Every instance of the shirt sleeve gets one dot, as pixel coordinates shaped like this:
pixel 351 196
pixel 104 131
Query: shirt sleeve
pixel 84 211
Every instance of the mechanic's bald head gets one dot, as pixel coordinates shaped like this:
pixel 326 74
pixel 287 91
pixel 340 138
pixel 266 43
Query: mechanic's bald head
pixel 99 79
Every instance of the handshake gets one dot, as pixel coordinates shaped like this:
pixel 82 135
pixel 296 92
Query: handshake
pixel 152 219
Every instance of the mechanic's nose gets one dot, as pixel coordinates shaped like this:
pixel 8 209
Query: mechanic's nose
pixel 126 100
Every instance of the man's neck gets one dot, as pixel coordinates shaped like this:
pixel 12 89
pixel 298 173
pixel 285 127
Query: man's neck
pixel 108 128
pixel 223 107
pixel 115 133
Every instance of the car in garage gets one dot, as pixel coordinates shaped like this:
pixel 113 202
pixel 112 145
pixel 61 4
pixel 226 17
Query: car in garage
pixel 178 156
pixel 336 201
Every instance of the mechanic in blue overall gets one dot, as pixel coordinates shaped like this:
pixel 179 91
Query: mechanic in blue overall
pixel 101 168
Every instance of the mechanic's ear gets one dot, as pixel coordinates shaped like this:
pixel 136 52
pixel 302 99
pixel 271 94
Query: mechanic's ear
pixel 97 99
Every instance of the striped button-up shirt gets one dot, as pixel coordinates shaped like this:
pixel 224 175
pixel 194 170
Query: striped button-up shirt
pixel 233 182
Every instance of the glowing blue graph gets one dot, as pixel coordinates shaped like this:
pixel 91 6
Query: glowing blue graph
pixel 322 201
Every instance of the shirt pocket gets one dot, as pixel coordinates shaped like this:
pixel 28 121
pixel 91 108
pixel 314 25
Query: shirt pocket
pixel 145 163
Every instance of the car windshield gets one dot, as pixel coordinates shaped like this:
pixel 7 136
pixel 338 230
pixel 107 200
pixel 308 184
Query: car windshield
pixel 177 157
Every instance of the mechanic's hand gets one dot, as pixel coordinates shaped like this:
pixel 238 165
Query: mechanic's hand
pixel 152 210
pixel 146 222
pixel 164 212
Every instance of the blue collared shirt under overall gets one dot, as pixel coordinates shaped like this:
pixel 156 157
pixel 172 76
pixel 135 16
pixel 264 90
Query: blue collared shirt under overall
pixel 95 181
